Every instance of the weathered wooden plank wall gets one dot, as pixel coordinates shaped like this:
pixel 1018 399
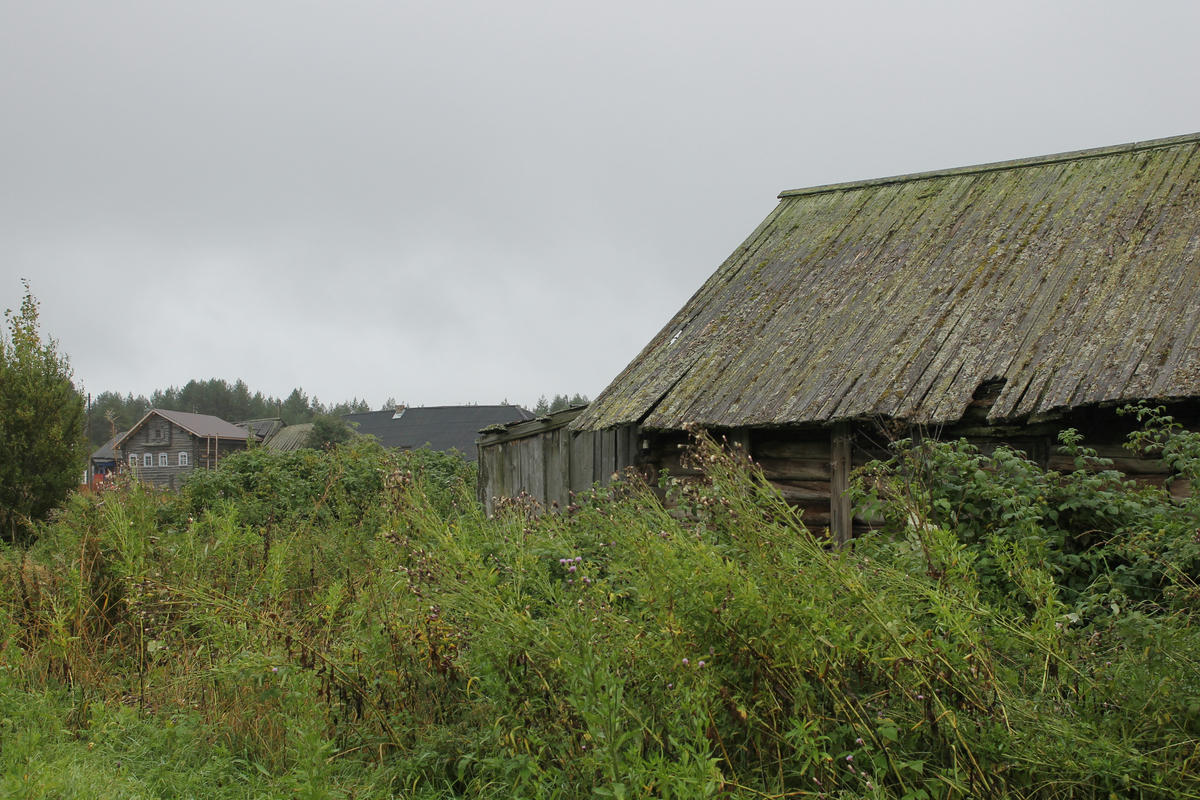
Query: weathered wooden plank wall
pixel 546 460
pixel 809 466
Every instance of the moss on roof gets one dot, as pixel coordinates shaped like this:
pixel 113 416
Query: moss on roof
pixel 1072 278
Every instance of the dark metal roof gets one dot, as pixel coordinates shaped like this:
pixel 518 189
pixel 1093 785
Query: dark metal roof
pixel 204 425
pixel 1072 278
pixel 439 427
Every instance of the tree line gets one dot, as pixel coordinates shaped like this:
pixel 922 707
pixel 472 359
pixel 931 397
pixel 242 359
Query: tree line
pixel 111 412
pixel 559 403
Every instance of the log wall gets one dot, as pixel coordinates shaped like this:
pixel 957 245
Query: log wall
pixel 808 465
pixel 159 436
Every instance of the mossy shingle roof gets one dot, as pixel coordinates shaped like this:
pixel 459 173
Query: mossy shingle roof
pixel 1073 278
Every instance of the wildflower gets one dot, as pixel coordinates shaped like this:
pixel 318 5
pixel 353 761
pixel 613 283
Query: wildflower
pixel 571 568
pixel 850 758
pixel 562 561
pixel 858 740
pixel 274 669
pixel 920 697
pixel 578 559
pixel 686 662
pixel 700 664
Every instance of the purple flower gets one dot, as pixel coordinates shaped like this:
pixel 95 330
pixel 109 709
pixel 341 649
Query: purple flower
pixel 849 758
pixel 700 664
pixel 578 559
pixel 858 740
pixel 571 568
pixel 685 661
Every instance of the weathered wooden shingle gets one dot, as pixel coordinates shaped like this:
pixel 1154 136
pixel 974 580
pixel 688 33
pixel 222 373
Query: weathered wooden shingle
pixel 1073 278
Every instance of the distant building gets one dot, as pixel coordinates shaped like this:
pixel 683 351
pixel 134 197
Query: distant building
pixel 103 462
pixel 436 427
pixel 165 446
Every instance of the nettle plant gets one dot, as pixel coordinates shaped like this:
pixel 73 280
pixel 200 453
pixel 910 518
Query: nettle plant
pixel 1108 542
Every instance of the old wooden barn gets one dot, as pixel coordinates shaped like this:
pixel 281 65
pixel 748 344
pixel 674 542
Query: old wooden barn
pixel 1000 302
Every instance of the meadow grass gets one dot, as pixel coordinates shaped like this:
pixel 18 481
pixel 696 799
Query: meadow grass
pixel 350 624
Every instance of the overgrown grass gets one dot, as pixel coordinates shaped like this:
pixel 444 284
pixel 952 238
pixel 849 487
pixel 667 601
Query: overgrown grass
pixel 349 624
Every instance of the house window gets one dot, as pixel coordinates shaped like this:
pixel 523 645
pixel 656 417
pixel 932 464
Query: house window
pixel 183 459
pixel 162 459
pixel 133 459
pixel 148 460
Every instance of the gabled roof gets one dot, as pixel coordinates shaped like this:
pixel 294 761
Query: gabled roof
pixel 439 427
pixel 203 425
pixel 1072 278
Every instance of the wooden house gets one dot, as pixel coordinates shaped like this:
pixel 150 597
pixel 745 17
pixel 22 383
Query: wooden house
pixel 102 463
pixel 1000 302
pixel 165 446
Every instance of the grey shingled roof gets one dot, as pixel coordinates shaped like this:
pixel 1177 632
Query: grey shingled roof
pixel 1072 278
pixel 262 428
pixel 439 427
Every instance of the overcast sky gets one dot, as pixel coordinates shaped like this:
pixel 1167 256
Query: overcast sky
pixel 451 202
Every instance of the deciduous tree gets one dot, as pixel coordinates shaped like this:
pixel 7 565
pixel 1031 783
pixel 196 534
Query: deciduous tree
pixel 43 448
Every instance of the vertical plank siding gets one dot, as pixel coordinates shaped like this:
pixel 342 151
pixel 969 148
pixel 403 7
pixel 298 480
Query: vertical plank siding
pixel 546 460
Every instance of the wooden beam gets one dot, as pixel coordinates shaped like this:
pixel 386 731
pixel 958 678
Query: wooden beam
pixel 841 518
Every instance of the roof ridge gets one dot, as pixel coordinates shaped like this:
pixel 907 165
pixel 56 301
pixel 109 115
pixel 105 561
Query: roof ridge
pixel 996 166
